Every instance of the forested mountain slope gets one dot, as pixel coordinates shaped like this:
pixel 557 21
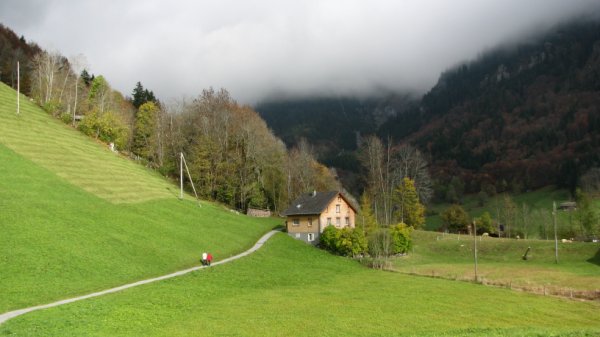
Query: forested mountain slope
pixel 519 117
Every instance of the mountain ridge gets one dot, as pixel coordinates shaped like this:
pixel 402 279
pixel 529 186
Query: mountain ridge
pixel 518 117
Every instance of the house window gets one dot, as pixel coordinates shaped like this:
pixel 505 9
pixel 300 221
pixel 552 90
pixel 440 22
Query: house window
pixel 328 221
pixel 337 208
pixel 309 222
pixel 340 200
pixel 311 236
pixel 338 221
pixel 297 235
pixel 296 222
pixel 347 221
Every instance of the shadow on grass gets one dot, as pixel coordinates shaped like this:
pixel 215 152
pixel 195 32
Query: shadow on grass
pixel 595 259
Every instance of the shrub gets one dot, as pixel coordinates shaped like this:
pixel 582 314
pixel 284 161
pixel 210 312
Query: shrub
pixel 345 242
pixel 107 128
pixel 52 107
pixel 455 218
pixel 390 241
pixel 380 243
pixel 66 118
pixel 401 238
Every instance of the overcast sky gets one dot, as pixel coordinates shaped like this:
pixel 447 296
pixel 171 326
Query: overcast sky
pixel 257 49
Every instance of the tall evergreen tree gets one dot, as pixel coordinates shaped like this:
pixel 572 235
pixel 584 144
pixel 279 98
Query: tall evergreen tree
pixel 139 96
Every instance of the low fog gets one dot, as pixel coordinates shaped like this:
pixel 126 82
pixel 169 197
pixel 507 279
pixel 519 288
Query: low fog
pixel 260 49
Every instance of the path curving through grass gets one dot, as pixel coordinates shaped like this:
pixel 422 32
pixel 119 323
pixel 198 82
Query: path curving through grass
pixel 11 314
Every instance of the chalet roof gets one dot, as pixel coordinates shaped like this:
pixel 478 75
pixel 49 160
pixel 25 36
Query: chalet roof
pixel 313 203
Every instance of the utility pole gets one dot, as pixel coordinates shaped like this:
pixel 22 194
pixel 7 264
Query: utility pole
pixel 18 89
pixel 475 248
pixel 187 170
pixel 181 175
pixel 555 232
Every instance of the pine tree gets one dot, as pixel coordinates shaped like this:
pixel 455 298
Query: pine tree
pixel 139 95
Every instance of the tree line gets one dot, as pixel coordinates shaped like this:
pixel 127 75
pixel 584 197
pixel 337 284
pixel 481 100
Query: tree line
pixel 233 156
pixel 507 218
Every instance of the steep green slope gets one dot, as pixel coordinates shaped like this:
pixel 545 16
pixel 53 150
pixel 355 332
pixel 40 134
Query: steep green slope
pixel 289 288
pixel 73 157
pixel 75 217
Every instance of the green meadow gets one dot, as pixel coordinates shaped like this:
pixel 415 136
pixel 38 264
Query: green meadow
pixel 288 288
pixel 500 262
pixel 77 218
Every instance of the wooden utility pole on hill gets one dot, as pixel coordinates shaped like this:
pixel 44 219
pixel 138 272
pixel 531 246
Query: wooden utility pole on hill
pixel 183 162
pixel 475 247
pixel 555 232
pixel 181 175
pixel 18 89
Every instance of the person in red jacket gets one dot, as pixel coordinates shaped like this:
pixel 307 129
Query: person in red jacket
pixel 209 258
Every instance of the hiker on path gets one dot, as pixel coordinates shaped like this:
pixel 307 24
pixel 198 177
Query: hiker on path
pixel 209 258
pixel 204 259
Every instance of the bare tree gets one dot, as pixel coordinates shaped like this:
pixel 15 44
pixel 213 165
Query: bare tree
pixel 78 64
pixel 376 159
pixel 46 66
pixel 411 163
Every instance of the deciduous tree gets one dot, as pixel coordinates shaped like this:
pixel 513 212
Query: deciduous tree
pixel 410 210
pixel 455 218
pixel 145 132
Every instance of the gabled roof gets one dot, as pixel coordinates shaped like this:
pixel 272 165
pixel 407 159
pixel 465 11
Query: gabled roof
pixel 313 203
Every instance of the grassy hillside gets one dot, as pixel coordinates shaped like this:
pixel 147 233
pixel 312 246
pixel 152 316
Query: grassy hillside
pixel 72 156
pixel 76 217
pixel 289 288
pixel 500 262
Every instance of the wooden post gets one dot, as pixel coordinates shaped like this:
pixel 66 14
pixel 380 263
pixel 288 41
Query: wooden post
pixel 181 175
pixel 18 89
pixel 555 232
pixel 475 247
pixel 190 177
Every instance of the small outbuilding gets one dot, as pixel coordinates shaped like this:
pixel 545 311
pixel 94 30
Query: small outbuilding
pixel 567 206
pixel 309 214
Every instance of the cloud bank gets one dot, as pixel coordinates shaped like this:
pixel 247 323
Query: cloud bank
pixel 259 49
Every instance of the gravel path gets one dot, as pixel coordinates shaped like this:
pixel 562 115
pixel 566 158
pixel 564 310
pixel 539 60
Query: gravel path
pixel 8 315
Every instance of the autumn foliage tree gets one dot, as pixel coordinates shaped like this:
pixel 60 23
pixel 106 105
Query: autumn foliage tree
pixel 145 130
pixel 365 219
pixel 410 210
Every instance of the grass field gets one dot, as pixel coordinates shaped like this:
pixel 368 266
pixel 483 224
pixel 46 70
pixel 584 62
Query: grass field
pixel 291 289
pixel 500 262
pixel 76 218
pixel 75 157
